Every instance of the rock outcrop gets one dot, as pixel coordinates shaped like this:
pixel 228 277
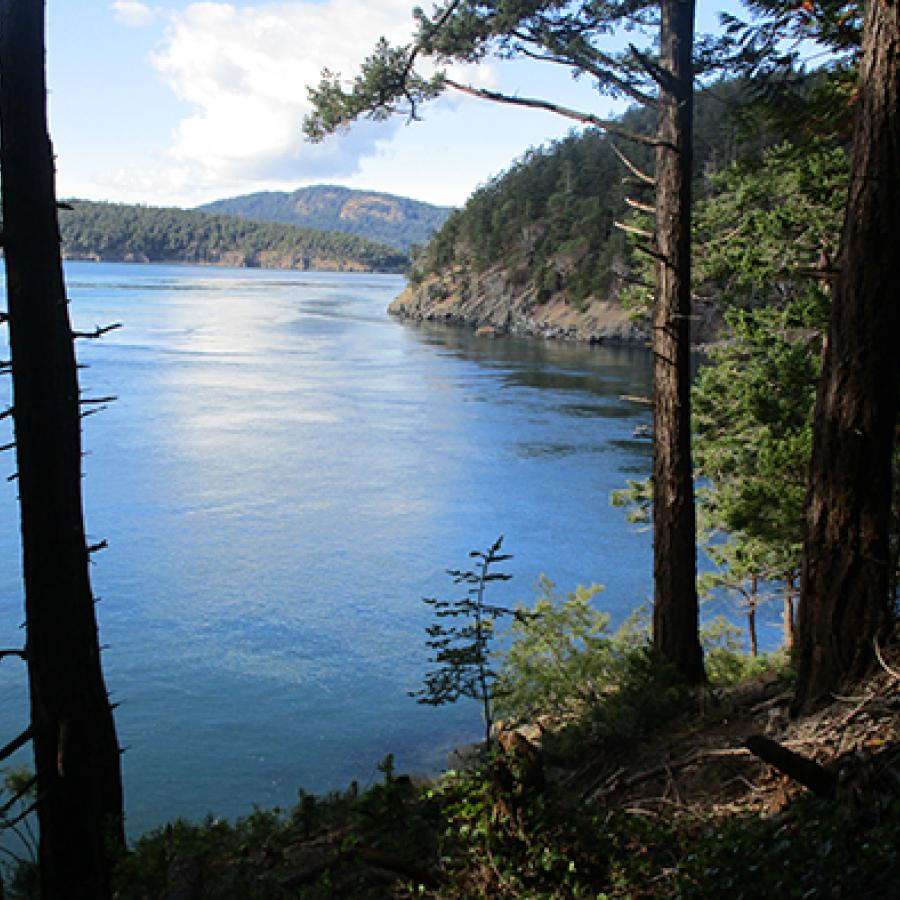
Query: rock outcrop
pixel 492 303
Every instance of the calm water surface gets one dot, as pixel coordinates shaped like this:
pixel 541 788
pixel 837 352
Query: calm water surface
pixel 285 473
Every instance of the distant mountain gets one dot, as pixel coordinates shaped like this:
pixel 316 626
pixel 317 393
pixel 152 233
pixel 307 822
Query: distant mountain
pixel 118 232
pixel 387 218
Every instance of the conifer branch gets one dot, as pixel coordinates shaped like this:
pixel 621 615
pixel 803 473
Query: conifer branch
pixel 566 112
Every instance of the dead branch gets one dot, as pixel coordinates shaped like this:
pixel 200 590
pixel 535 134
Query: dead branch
pixel 643 248
pixel 642 177
pixel 880 657
pixel 98 331
pixel 634 398
pixel 13 652
pixel 10 823
pixel 10 446
pixel 643 207
pixel 100 545
pixel 633 229
pixel 808 772
pixel 85 401
pixel 16 743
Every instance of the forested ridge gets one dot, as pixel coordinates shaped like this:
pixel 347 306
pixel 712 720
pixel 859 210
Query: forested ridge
pixel 119 232
pixel 377 216
pixel 543 232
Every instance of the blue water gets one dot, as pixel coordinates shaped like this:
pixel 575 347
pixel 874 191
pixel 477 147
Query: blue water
pixel 285 473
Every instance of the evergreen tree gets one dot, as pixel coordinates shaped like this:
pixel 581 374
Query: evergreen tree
pixel 846 579
pixel 76 753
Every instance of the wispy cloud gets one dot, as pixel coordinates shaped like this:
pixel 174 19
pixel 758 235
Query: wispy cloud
pixel 244 72
pixel 132 13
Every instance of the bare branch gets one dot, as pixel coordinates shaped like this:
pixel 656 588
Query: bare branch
pixel 94 401
pixel 100 545
pixel 10 823
pixel 13 652
pixel 566 112
pixel 643 207
pixel 16 743
pixel 9 446
pixel 98 331
pixel 892 672
pixel 633 229
pixel 643 248
pixel 640 175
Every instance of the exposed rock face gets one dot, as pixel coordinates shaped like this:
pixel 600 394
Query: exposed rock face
pixel 492 304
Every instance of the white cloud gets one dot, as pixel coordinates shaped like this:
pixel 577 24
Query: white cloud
pixel 244 72
pixel 132 13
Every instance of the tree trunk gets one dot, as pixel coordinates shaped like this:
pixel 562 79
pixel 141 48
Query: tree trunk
pixel 75 748
pixel 752 605
pixel 675 610
pixel 844 591
pixel 788 615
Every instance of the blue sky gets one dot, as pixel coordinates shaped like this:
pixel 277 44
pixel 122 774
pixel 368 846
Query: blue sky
pixel 175 102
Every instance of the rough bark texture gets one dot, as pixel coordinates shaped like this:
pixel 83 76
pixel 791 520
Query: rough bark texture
pixel 675 610
pixel 75 748
pixel 844 593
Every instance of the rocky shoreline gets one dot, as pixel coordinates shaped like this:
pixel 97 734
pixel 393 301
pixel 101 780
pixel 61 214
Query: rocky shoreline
pixel 493 306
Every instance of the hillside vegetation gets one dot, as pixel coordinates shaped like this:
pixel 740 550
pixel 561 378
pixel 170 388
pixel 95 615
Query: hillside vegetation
pixel 535 250
pixel 121 233
pixel 393 220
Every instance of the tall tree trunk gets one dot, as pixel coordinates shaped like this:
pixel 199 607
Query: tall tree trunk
pixel 675 610
pixel 788 614
pixel 75 748
pixel 752 606
pixel 844 591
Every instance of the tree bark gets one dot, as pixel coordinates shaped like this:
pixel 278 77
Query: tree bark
pixel 75 748
pixel 844 592
pixel 675 610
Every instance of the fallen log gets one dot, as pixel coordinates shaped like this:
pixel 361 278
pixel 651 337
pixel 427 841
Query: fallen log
pixel 806 771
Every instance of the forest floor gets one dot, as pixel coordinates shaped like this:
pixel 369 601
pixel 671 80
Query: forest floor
pixel 681 810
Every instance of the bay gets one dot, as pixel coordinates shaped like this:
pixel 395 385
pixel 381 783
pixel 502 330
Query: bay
pixel 286 471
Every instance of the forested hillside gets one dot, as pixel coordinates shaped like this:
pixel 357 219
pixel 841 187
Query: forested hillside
pixel 393 220
pixel 535 251
pixel 116 232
